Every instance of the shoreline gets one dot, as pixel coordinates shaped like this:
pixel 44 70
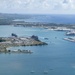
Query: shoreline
pixel 68 28
pixel 28 41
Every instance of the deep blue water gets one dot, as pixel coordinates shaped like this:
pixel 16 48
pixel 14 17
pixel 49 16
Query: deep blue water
pixel 58 57
pixel 52 18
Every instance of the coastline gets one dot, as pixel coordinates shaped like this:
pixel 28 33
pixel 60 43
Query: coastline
pixel 28 41
pixel 68 28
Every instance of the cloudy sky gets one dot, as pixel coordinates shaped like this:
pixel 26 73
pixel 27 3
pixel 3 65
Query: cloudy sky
pixel 38 6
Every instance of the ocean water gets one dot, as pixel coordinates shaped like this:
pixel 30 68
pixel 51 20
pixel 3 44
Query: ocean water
pixel 56 58
pixel 51 18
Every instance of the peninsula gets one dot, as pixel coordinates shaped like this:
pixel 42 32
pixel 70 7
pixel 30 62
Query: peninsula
pixel 14 40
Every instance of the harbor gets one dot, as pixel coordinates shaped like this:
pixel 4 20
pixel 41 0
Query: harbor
pixel 42 59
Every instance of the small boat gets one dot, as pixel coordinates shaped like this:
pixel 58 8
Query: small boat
pixel 46 38
pixel 55 37
pixel 32 72
pixel 45 72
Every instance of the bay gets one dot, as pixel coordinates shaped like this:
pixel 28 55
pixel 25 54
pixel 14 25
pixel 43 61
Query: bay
pixel 56 58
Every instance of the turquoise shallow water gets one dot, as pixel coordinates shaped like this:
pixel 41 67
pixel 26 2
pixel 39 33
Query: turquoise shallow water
pixel 58 57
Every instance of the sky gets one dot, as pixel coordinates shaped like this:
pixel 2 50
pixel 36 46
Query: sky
pixel 38 6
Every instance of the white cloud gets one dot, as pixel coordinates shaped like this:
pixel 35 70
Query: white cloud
pixel 37 6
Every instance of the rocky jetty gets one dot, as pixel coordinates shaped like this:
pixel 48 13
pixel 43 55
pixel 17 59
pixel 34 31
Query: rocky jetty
pixel 16 51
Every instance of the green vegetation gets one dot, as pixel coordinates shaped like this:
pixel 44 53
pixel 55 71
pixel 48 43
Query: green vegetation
pixel 2 40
